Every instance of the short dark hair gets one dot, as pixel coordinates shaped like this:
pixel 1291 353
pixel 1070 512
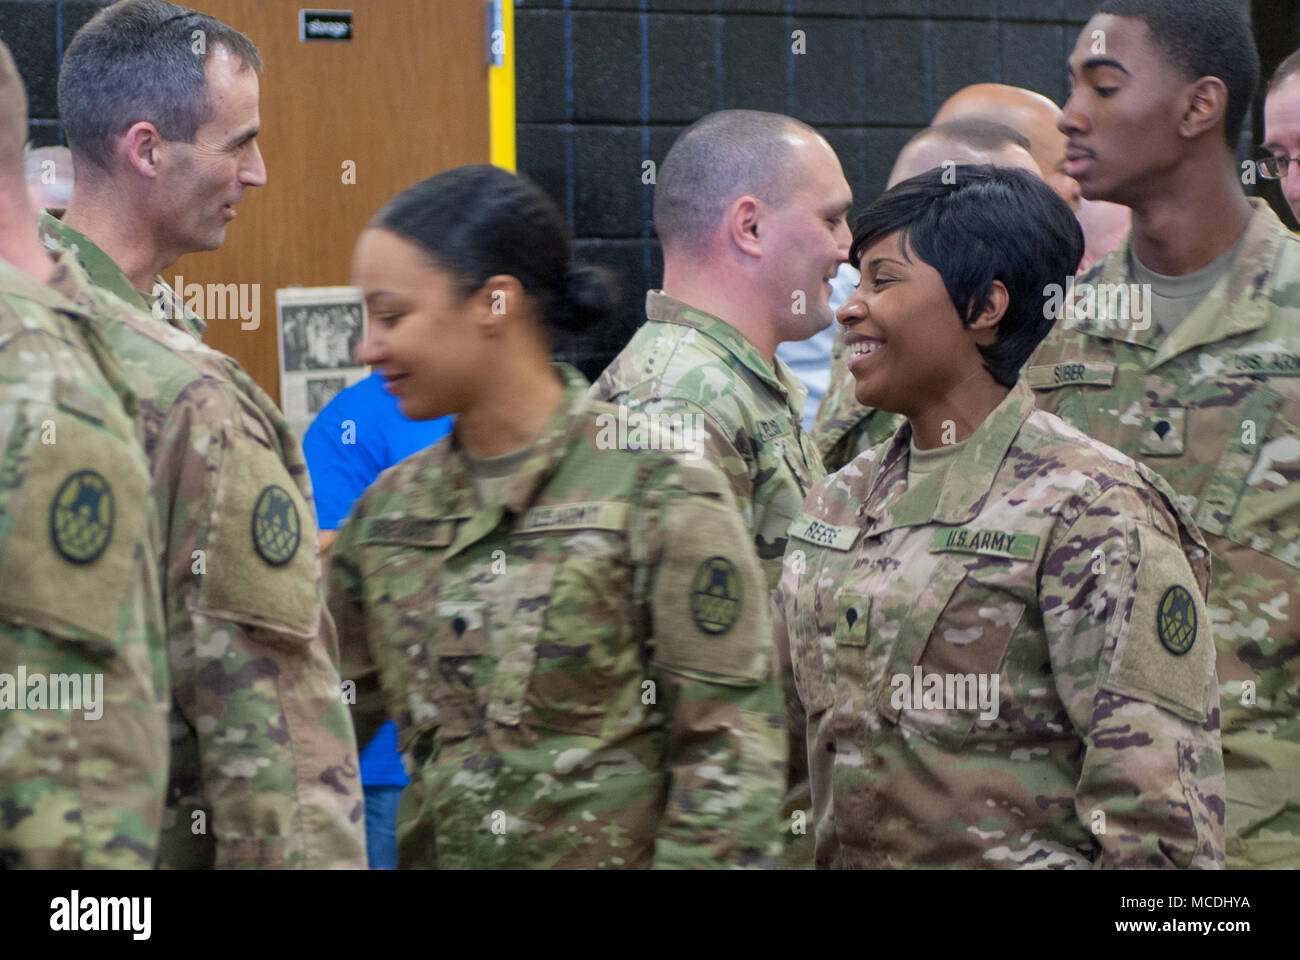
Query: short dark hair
pixel 1204 38
pixel 718 158
pixel 478 221
pixel 978 134
pixel 993 223
pixel 141 60
pixel 1288 67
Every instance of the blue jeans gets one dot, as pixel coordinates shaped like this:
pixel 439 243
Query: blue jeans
pixel 381 826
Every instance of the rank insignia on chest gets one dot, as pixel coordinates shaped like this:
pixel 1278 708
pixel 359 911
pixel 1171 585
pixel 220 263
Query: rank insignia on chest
pixel 1176 620
pixel 81 517
pixel 715 595
pixel 276 526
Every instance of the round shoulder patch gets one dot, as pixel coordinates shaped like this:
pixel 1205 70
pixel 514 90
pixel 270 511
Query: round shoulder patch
pixel 276 530
pixel 81 516
pixel 715 595
pixel 1176 620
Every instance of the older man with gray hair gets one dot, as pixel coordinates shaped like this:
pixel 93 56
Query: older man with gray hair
pixel 160 105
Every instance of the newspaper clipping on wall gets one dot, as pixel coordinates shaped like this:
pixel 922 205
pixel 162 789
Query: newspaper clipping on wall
pixel 320 328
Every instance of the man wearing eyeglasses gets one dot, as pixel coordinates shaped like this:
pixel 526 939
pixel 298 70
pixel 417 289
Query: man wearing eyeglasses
pixel 1282 130
pixel 1182 349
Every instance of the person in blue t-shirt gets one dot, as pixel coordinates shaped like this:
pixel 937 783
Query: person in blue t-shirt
pixel 358 435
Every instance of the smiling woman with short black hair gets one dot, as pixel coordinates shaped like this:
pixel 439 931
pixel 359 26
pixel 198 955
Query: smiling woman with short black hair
pixel 997 624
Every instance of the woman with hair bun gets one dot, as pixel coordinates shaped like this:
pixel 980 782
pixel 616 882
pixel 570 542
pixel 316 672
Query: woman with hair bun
pixel 571 634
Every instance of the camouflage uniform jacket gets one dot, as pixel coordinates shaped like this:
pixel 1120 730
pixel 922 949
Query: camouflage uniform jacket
pixel 264 761
pixel 81 782
pixel 684 361
pixel 578 671
pixel 1051 563
pixel 1214 408
pixel 843 428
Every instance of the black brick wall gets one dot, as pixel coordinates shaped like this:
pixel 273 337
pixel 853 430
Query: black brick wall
pixel 604 85
pixel 37 32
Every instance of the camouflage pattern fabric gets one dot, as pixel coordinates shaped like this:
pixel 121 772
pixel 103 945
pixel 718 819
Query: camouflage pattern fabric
pixel 683 361
pixel 1214 407
pixel 83 672
pixel 1039 561
pixel 844 428
pixel 579 671
pixel 162 301
pixel 264 769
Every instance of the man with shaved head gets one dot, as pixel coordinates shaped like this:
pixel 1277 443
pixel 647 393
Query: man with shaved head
pixel 1182 349
pixel 83 670
pixel 751 209
pixel 1032 114
pixel 844 427
pixel 968 140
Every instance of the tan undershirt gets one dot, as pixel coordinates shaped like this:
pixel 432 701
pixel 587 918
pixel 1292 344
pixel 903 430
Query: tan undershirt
pixel 923 462
pixel 493 474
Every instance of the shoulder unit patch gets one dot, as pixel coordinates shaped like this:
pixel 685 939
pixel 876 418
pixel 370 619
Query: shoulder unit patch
pixel 276 527
pixel 81 516
pixel 715 595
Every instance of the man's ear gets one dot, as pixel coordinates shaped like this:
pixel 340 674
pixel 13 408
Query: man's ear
pixel 1206 103
pixel 493 305
pixel 142 145
pixel 743 221
pixel 985 327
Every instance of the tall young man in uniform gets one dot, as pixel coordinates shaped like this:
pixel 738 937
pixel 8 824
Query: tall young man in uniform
pixel 1182 349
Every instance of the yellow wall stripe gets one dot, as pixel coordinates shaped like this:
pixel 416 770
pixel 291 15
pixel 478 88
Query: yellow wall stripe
pixel 501 94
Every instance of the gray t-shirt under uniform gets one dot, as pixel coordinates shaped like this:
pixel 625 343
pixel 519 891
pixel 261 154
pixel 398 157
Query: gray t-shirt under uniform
pixel 1174 298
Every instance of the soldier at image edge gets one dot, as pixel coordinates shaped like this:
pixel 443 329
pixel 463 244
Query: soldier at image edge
pixel 1182 349
pixel 83 674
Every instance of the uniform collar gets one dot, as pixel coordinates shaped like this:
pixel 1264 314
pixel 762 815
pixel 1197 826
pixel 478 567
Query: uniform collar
pixel 103 272
pixel 954 495
pixel 67 292
pixel 51 294
pixel 1238 303
pixel 778 377
pixel 459 499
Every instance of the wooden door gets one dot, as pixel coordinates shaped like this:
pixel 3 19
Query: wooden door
pixel 406 98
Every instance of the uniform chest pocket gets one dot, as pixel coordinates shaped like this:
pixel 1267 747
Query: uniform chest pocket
pixel 802 460
pixel 945 666
pixel 576 661
pixel 1253 496
pixel 401 582
pixel 458 680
